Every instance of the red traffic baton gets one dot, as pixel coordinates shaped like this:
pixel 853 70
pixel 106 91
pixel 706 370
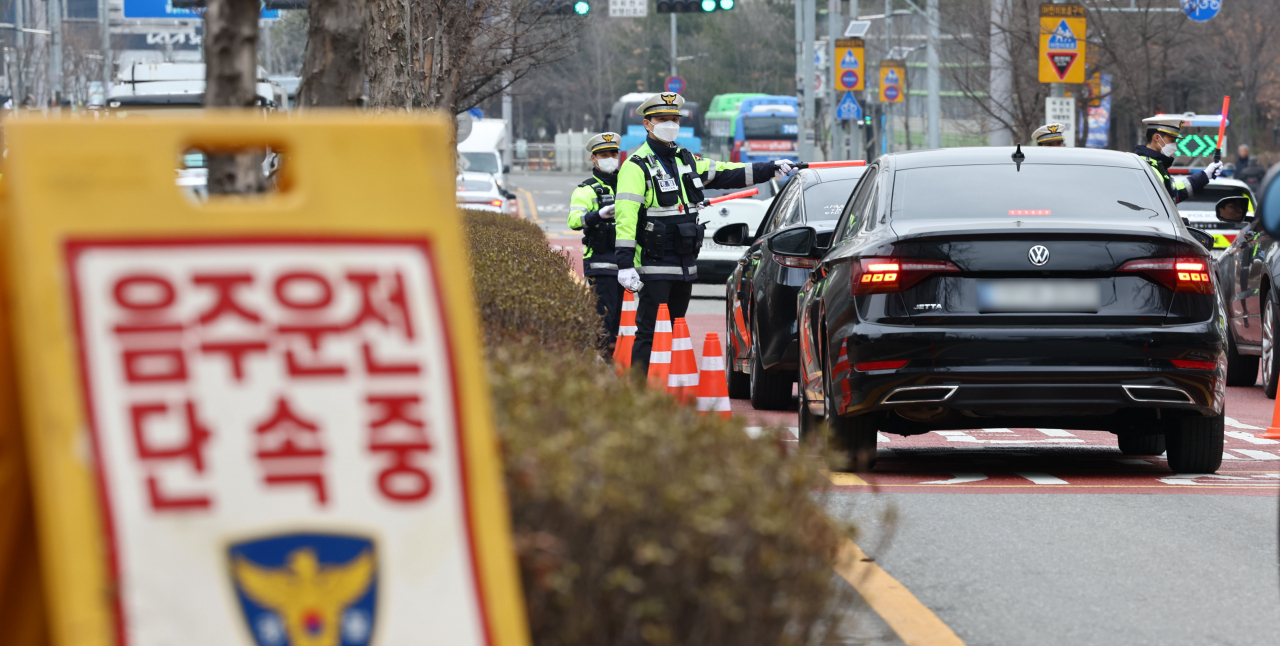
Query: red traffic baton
pixel 833 164
pixel 732 196
pixel 1222 127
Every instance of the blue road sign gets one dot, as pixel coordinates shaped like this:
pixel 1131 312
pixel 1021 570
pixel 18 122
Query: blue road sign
pixel 848 108
pixel 164 9
pixel 891 92
pixel 849 62
pixel 849 78
pixel 675 84
pixel 1201 10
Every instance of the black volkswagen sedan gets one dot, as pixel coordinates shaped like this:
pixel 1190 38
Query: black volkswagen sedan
pixel 994 287
pixel 761 293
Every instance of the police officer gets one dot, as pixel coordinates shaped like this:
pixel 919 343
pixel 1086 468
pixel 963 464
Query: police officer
pixel 1050 135
pixel 591 210
pixel 658 234
pixel 1162 137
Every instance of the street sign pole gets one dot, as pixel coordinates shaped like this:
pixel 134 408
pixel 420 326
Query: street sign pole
pixel 833 32
pixel 673 45
pixel 933 80
pixel 854 131
pixel 809 106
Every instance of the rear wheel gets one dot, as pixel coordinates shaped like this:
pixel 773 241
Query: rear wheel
pixel 1131 444
pixel 769 390
pixel 1242 369
pixel 1269 366
pixel 1195 444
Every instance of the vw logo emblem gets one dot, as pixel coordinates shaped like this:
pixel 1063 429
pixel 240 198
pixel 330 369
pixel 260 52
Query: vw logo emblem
pixel 1038 255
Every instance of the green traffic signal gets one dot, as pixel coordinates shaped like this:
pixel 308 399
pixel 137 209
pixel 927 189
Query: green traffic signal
pixel 708 5
pixel 724 4
pixel 582 7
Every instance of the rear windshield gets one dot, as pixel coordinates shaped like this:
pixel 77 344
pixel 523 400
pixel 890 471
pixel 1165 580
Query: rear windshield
pixel 769 128
pixel 1038 190
pixel 481 162
pixel 474 185
pixel 1212 193
pixel 824 202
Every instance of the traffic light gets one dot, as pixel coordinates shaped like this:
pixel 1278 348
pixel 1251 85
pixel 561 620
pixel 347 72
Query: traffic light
pixel 582 7
pixel 564 7
pixel 680 6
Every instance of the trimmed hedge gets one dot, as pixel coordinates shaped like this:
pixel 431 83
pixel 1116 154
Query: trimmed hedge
pixel 636 520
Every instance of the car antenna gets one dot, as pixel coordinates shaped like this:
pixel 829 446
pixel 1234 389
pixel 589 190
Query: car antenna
pixel 1018 157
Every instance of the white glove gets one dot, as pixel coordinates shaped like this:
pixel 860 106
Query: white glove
pixel 606 213
pixel 783 167
pixel 1211 171
pixel 629 279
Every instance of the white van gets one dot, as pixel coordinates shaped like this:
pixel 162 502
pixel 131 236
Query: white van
pixel 481 151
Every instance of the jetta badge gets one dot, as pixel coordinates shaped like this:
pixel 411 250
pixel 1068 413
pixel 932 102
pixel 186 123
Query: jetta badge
pixel 1038 255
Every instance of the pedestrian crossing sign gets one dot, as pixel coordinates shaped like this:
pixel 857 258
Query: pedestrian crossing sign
pixel 848 108
pixel 851 54
pixel 1063 28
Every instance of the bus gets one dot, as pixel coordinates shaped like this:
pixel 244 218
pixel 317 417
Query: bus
pixel 722 117
pixel 624 120
pixel 766 129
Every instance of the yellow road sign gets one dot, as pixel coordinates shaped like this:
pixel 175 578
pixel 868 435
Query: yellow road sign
pixel 893 81
pixel 1062 43
pixel 255 420
pixel 850 69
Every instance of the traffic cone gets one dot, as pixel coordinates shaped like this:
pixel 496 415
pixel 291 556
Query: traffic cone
pixel 713 390
pixel 626 334
pixel 660 355
pixel 683 381
pixel 1273 431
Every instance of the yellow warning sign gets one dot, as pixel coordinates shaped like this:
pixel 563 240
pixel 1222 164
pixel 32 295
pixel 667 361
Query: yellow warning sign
pixel 255 419
pixel 893 81
pixel 850 68
pixel 1062 43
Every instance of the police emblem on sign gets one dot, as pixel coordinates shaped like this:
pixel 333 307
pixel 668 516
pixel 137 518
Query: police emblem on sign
pixel 307 589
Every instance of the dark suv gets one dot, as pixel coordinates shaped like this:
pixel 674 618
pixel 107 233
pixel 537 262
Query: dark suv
pixel 761 292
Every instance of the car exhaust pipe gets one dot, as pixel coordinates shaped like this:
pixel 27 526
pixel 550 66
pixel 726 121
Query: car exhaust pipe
pixel 920 395
pixel 1164 394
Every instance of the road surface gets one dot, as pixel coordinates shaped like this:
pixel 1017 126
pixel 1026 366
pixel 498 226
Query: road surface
pixel 1014 536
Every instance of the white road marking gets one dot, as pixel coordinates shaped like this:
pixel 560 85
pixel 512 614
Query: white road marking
pixel 1250 438
pixel 1215 479
pixel 1054 440
pixel 959 478
pixel 996 430
pixel 1257 455
pixel 1237 424
pixel 1228 456
pixel 958 436
pixel 795 431
pixel 1042 478
pixel 1055 432
pixel 881 438
pixel 753 431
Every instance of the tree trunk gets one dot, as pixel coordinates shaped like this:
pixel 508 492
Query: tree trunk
pixel 231 66
pixel 333 67
pixel 391 77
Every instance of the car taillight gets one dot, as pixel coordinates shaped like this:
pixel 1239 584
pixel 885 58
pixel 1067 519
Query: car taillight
pixel 1193 365
pixel 497 203
pixel 1179 274
pixel 868 366
pixel 794 262
pixel 884 275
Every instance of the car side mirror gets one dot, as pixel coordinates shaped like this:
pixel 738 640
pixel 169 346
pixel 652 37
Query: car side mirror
pixel 733 235
pixel 1233 209
pixel 506 168
pixel 796 242
pixel 1203 238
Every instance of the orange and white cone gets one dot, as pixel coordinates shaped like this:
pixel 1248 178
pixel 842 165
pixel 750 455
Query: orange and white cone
pixel 1273 431
pixel 626 334
pixel 713 390
pixel 660 355
pixel 683 380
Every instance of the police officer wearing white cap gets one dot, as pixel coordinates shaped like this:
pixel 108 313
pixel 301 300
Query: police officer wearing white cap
pixel 659 189
pixel 591 211
pixel 1051 134
pixel 1162 137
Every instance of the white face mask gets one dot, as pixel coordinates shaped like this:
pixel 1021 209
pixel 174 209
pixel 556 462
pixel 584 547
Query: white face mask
pixel 607 164
pixel 1169 149
pixel 666 131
